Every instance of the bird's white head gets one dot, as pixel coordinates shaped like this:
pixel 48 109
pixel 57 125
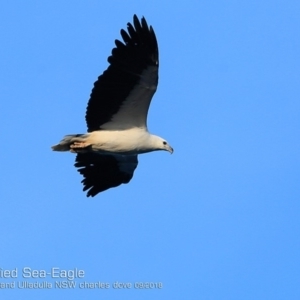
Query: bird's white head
pixel 162 144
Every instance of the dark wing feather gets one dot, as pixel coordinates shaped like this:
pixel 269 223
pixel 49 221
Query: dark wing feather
pixel 127 62
pixel 102 172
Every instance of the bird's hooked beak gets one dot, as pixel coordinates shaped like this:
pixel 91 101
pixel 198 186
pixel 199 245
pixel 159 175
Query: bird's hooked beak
pixel 170 149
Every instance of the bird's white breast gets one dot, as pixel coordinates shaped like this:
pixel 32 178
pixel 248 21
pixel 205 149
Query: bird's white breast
pixel 132 141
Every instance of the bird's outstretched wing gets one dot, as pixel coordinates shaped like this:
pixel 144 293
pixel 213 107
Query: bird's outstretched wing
pixel 122 94
pixel 102 172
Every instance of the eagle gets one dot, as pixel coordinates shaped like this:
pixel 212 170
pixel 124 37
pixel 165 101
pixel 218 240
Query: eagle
pixel 116 114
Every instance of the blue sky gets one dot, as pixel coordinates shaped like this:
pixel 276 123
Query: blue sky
pixel 218 219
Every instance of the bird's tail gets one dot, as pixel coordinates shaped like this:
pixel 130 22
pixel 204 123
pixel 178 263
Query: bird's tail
pixel 68 141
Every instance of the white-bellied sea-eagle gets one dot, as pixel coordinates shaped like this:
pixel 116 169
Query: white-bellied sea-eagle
pixel 116 114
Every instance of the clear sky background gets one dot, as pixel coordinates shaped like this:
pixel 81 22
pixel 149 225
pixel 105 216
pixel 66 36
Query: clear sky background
pixel 218 219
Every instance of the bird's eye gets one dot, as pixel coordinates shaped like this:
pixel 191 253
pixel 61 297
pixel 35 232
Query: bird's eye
pixel 164 142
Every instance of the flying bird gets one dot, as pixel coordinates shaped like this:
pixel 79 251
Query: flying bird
pixel 116 114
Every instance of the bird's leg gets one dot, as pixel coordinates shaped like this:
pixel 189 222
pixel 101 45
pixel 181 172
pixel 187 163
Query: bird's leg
pixel 79 146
